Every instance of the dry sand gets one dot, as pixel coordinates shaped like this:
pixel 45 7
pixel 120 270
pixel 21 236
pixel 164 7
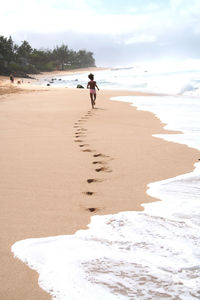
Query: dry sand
pixel 49 140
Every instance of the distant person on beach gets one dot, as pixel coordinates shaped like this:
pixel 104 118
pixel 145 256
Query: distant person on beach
pixel 11 78
pixel 92 85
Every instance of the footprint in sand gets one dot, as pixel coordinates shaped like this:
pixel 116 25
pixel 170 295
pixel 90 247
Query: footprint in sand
pixel 103 169
pixel 92 209
pixel 78 141
pixel 88 150
pixel 91 180
pixel 83 129
pixel 100 155
pixel 98 162
pixel 88 193
pixel 84 145
pixel 80 135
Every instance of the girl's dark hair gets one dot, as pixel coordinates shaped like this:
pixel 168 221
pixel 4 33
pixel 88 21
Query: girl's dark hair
pixel 91 76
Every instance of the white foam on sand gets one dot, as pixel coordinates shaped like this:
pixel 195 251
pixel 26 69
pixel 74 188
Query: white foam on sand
pixel 130 255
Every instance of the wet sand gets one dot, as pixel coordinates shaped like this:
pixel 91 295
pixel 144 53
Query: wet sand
pixel 62 162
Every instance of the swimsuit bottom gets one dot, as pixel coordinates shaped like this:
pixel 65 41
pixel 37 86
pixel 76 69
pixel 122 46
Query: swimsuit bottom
pixel 92 91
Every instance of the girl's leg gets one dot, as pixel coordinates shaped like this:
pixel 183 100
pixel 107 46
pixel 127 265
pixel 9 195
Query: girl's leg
pixel 92 101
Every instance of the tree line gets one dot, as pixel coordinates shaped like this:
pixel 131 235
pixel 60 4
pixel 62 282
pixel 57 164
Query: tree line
pixel 23 59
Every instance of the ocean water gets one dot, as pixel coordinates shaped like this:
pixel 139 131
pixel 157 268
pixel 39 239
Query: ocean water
pixel 163 77
pixel 154 254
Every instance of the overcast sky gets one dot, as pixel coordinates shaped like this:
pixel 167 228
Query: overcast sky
pixel 118 32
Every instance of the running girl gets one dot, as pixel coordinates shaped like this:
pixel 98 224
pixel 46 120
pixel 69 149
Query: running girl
pixel 92 85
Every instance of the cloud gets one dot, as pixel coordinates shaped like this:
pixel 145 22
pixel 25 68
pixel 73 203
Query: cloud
pixel 140 38
pixel 43 15
pixel 153 6
pixel 83 16
pixel 145 29
pixel 58 16
pixel 185 7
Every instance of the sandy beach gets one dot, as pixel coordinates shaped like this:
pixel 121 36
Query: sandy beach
pixel 62 162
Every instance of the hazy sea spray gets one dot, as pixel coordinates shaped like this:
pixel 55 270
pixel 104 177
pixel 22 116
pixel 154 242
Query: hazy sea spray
pixel 165 78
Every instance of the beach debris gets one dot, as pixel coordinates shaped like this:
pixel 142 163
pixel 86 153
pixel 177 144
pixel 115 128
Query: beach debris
pixel 79 86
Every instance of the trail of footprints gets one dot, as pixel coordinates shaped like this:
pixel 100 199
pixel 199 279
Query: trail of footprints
pixel 100 160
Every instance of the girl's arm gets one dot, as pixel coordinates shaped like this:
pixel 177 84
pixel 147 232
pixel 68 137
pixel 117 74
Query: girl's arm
pixel 97 87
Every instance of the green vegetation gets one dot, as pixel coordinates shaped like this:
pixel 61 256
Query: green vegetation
pixel 22 60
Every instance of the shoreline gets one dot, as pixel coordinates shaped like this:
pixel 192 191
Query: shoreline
pixel 5 80
pixel 44 164
pixel 29 84
pixel 68 72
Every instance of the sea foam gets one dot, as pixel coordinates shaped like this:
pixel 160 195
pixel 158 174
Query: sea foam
pixel 172 78
pixel 131 255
